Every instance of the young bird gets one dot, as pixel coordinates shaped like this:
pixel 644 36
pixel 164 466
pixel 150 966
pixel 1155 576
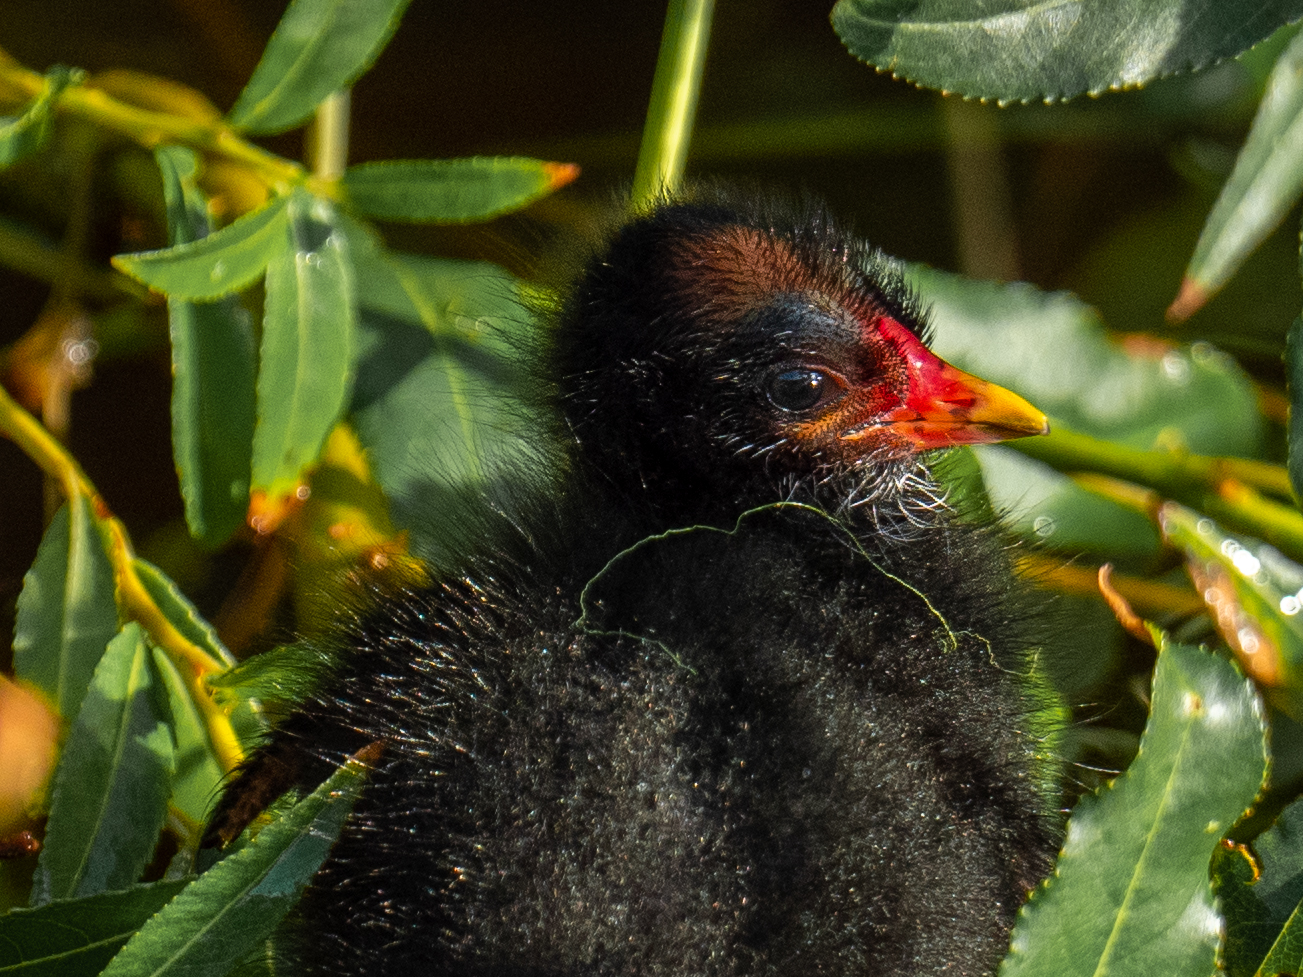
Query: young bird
pixel 738 694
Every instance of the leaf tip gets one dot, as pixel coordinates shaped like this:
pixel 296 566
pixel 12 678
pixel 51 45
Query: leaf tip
pixel 559 174
pixel 1189 300
pixel 268 509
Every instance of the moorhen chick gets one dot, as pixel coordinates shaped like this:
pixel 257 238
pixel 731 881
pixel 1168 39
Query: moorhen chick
pixel 737 693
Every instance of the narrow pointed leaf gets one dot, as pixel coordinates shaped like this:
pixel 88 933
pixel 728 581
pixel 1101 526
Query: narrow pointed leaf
pixel 214 364
pixel 1020 50
pixel 215 266
pixel 1264 185
pixel 305 366
pixel 77 937
pixel 113 781
pixel 179 611
pixel 319 47
pixel 1130 894
pixel 26 134
pixel 237 903
pixel 1254 594
pixel 451 190
pixel 66 611
pixel 1294 376
pixel 198 777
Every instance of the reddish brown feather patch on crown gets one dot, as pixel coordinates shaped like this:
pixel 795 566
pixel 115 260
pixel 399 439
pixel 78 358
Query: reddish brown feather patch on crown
pixel 736 269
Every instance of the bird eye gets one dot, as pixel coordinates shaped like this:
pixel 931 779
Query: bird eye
pixel 797 390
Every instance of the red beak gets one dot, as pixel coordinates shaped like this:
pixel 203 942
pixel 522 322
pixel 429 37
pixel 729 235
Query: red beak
pixel 945 406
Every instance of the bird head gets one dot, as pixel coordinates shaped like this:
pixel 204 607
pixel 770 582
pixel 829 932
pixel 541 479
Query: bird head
pixel 717 356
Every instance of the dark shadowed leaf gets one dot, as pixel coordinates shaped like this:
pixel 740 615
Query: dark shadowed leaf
pixel 236 904
pixel 305 366
pixel 1294 375
pixel 77 937
pixel 451 190
pixel 26 134
pixel 319 47
pixel 1264 185
pixel 1020 50
pixel 66 611
pixel 217 265
pixel 213 368
pixel 1264 933
pixel 436 378
pixel 113 780
pixel 1130 894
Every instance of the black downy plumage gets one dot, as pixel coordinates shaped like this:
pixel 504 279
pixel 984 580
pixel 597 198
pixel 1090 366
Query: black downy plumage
pixel 738 695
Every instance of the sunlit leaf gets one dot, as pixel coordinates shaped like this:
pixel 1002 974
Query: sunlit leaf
pixel 305 366
pixel 1130 893
pixel 26 134
pixel 198 777
pixel 213 369
pixel 179 612
pixel 77 937
pixel 1020 50
pixel 451 190
pixel 319 47
pixel 1255 595
pixel 1052 349
pixel 66 611
pixel 113 781
pixel 218 265
pixel 1264 185
pixel 237 903
pixel 281 676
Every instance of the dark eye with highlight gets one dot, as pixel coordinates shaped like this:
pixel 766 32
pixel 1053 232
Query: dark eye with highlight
pixel 802 389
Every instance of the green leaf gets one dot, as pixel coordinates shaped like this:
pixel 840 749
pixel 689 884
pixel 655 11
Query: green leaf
pixel 1264 185
pixel 1262 914
pixel 66 611
pixel 436 384
pixel 217 265
pixel 319 47
pixel 77 937
pixel 179 612
pixel 113 780
pixel 451 190
pixel 237 903
pixel 1052 349
pixel 198 777
pixel 1130 894
pixel 1294 376
pixel 27 133
pixel 305 368
pixel 213 369
pixel 1255 594
pixel 1020 50
pixel 281 676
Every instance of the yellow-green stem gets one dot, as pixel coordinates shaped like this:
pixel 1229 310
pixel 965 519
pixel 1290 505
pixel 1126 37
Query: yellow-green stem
pixel 1224 488
pixel 150 128
pixel 673 108
pixel 134 600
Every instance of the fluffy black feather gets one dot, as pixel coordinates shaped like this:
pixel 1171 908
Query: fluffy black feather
pixel 694 711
